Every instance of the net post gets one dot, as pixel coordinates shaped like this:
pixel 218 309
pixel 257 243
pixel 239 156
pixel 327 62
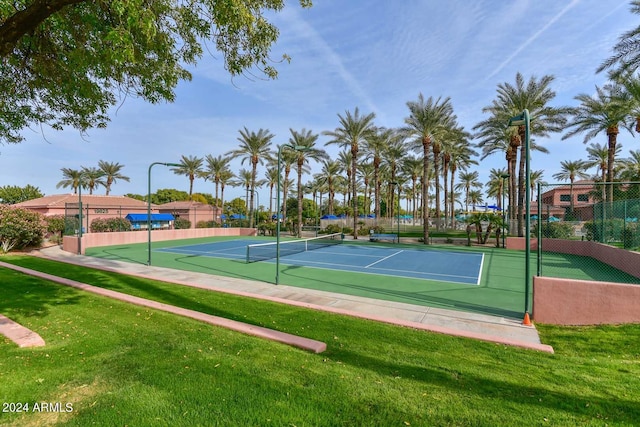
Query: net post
pixel 247 255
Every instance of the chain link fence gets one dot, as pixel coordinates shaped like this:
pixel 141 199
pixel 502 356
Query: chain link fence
pixel 567 217
pixel 97 218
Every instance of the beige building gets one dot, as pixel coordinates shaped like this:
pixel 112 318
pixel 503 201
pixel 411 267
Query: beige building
pixel 193 211
pixel 95 206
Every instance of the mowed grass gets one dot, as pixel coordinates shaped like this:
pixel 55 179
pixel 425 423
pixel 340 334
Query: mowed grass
pixel 119 364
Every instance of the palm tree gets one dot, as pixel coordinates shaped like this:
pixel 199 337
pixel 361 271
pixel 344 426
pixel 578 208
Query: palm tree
pixel 244 180
pixel 366 172
pixel 535 177
pixel 456 153
pixel 468 180
pixel 495 185
pixel 627 51
pixel 393 156
pixel 511 100
pixel 254 147
pixel 111 172
pixel 606 112
pixel 570 170
pixel 374 148
pixel 631 167
pixel 427 120
pixel 214 168
pixel 353 131
pixel 598 156
pixel 226 177
pixel 271 180
pixel 329 175
pixel 475 197
pixel 70 178
pixel 496 138
pixel 306 140
pixel 191 167
pixel 412 168
pixel 92 178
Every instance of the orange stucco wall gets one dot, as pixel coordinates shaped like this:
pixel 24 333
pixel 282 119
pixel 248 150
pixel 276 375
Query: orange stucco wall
pixel 582 302
pixel 90 240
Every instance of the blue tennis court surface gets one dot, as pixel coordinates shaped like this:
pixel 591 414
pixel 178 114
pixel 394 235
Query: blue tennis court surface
pixel 444 266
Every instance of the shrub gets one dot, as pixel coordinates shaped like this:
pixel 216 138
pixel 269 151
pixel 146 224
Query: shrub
pixel 55 224
pixel 554 230
pixel 20 228
pixel 207 224
pixel 181 223
pixel 332 228
pixel 267 227
pixel 107 225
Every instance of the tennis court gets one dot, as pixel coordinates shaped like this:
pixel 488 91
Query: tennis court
pixel 486 280
pixel 444 266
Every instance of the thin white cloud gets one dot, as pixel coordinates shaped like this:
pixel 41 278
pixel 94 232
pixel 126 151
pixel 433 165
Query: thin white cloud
pixel 533 38
pixel 330 59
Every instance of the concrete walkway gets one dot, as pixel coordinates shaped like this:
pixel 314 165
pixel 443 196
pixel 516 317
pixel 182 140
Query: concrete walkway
pixel 458 323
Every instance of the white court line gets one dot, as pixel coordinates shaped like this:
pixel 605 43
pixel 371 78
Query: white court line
pixel 380 260
pixel 480 272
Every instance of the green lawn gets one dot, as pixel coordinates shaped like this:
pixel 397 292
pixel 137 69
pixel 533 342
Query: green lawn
pixel 119 364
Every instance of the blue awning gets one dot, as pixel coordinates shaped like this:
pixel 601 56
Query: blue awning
pixel 132 217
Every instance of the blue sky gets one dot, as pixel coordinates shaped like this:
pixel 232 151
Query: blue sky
pixel 372 54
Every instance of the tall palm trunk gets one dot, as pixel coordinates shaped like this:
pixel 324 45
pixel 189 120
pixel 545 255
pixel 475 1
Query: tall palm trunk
pixel 612 135
pixel 512 156
pixel 426 144
pixel 452 213
pixel 253 188
pixel 436 175
pixel 376 183
pixel 300 163
pixel 445 173
pixel 354 161
pixel 521 182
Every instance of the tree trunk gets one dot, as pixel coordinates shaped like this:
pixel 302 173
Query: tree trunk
pixel 354 160
pixel 521 182
pixel 436 175
pixel 299 199
pixel 612 134
pixel 426 142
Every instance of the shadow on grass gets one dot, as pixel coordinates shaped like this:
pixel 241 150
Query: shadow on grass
pixel 28 296
pixel 617 410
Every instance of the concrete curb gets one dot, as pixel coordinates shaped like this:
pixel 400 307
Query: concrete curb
pixel 257 331
pixel 20 335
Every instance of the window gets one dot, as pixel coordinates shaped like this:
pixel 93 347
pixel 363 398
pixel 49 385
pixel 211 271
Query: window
pixel 565 197
pixel 583 197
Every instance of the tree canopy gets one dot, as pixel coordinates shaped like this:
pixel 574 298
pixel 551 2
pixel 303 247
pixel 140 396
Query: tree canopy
pixel 66 62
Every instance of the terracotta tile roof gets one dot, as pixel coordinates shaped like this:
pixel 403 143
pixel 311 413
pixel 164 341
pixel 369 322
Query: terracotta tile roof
pixel 59 200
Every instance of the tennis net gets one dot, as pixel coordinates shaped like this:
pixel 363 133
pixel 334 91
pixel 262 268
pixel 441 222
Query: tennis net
pixel 265 251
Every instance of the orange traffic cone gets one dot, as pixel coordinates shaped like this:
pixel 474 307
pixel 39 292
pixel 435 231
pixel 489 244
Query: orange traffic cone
pixel 527 320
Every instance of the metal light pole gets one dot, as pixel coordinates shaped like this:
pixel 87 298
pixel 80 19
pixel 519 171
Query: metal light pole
pixel 296 148
pixel 149 206
pixel 523 119
pixel 504 176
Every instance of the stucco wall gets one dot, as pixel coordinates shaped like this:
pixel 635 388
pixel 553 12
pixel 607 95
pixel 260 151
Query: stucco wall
pixel 90 240
pixel 582 302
